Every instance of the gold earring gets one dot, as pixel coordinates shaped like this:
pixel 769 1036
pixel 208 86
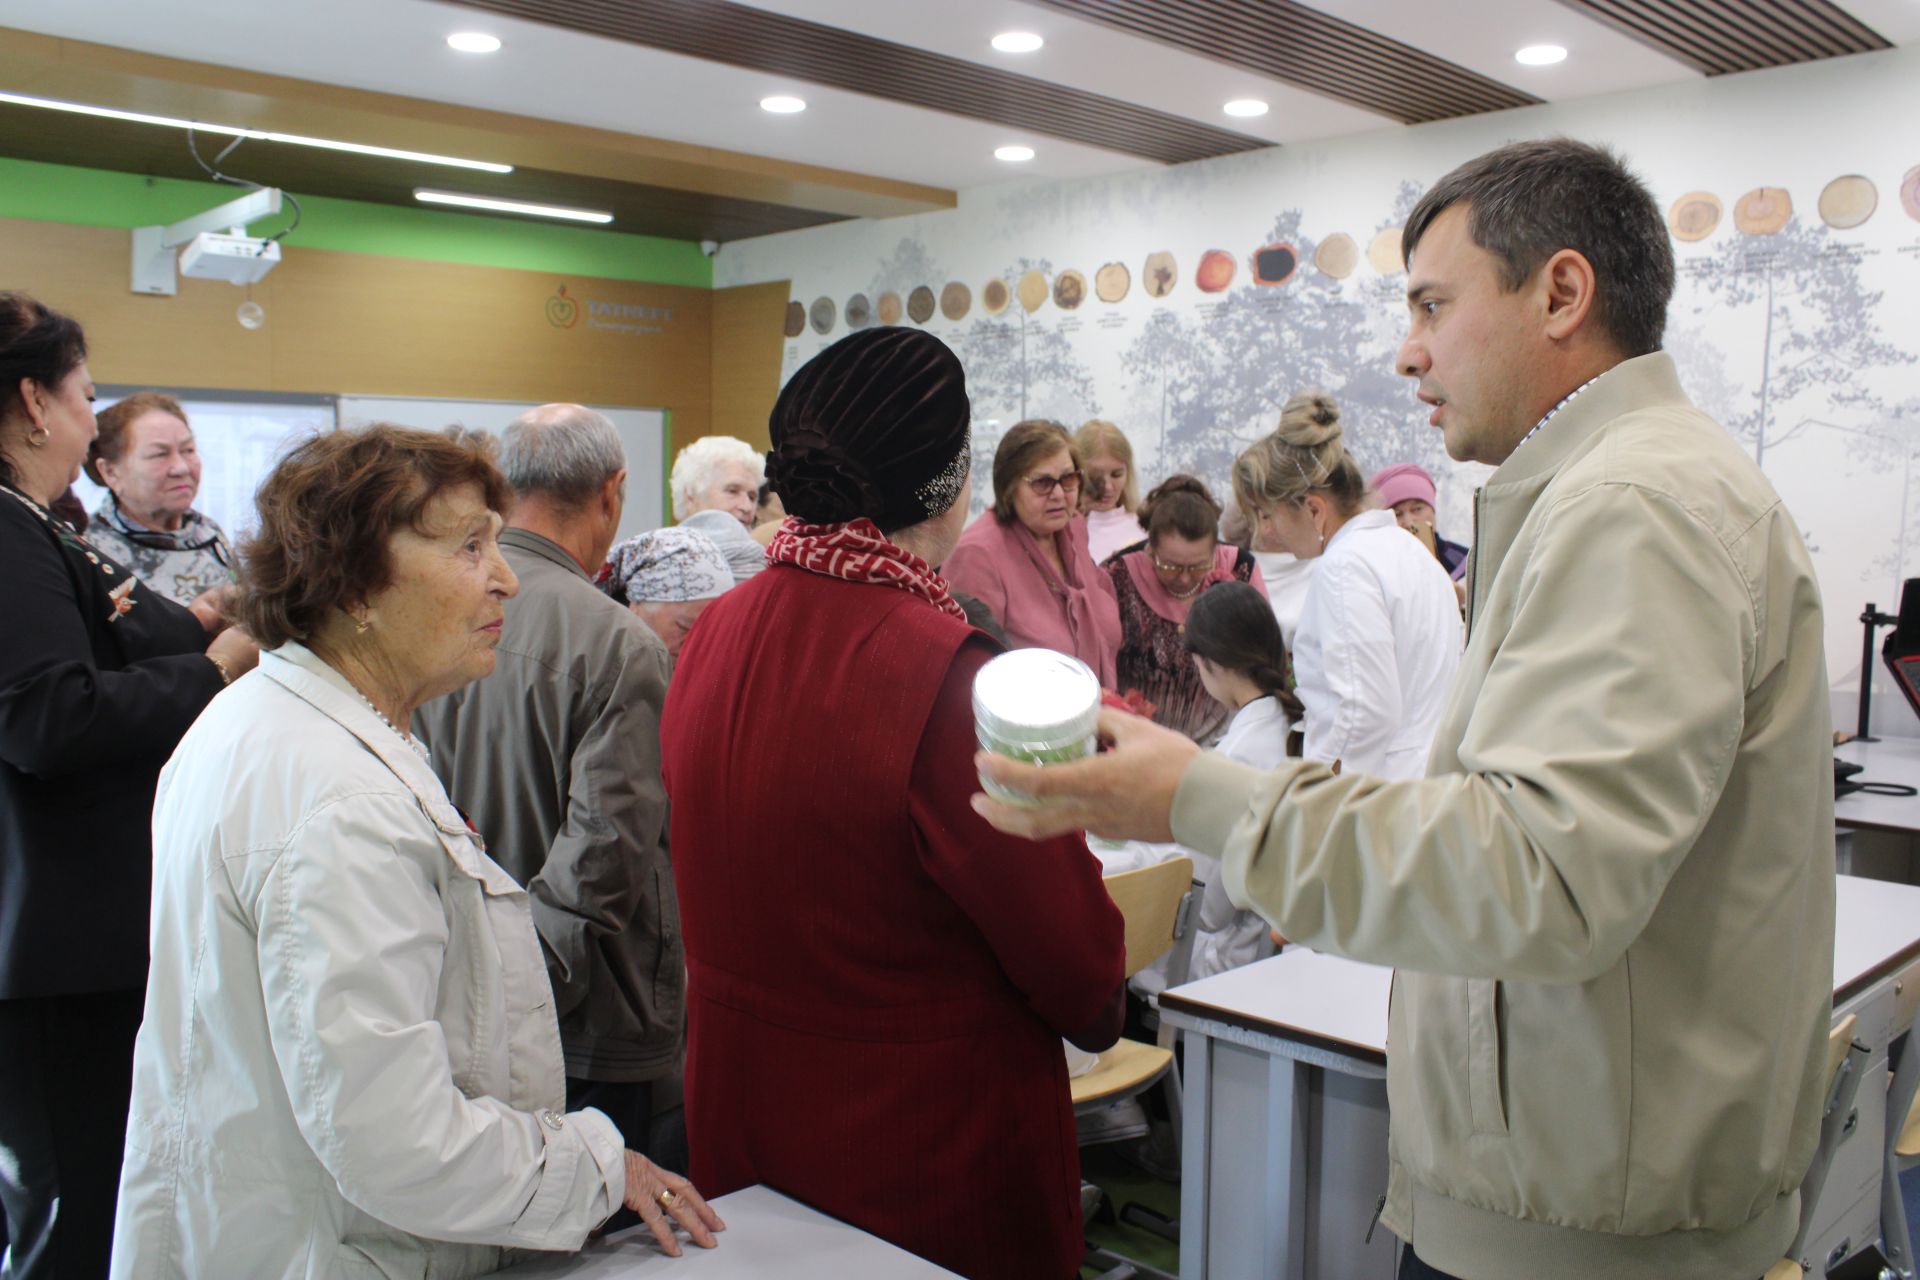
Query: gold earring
pixel 37 436
pixel 361 626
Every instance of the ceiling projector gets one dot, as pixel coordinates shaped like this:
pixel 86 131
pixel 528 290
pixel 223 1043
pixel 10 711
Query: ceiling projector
pixel 214 255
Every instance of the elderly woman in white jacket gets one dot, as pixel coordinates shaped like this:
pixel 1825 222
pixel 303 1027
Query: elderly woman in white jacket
pixel 1379 638
pixel 350 1063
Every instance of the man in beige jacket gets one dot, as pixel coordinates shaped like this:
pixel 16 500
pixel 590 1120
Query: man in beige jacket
pixel 1611 898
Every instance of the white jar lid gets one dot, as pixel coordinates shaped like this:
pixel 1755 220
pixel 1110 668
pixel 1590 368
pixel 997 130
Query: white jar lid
pixel 1036 696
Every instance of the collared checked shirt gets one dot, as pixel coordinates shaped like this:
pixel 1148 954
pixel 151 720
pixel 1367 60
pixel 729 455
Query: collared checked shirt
pixel 1565 401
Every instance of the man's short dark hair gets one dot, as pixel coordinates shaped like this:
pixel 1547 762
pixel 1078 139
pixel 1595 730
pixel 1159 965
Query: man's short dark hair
pixel 1527 201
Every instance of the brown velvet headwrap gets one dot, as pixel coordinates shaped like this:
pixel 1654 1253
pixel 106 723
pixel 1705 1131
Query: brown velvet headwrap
pixel 877 425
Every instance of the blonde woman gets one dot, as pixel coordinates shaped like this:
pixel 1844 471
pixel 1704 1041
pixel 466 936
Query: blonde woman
pixel 1379 637
pixel 1110 499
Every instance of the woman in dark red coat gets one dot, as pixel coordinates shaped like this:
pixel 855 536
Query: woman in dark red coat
pixel 878 981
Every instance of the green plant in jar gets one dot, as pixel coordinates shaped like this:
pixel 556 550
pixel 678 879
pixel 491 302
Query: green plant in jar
pixel 1035 706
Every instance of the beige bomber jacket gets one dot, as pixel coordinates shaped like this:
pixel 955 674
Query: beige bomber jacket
pixel 1611 899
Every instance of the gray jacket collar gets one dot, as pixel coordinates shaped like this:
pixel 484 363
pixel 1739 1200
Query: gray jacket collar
pixel 546 548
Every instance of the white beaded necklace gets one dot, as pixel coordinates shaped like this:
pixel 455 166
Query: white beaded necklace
pixel 407 738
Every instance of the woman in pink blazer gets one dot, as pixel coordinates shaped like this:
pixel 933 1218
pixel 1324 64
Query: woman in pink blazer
pixel 1026 557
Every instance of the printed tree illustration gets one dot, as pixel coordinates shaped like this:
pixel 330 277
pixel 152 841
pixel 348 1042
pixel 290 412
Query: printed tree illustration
pixel 1891 446
pixel 908 266
pixel 1818 330
pixel 1173 365
pixel 1224 376
pixel 1019 368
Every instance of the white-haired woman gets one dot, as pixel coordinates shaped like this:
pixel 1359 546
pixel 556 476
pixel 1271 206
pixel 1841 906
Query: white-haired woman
pixel 716 487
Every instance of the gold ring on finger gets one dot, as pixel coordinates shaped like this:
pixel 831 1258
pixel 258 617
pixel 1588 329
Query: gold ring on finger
pixel 666 1199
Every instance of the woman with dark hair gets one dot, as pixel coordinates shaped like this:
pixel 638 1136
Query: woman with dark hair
pixel 877 981
pixel 1026 557
pixel 350 1062
pixel 1236 647
pixel 99 677
pixel 1156 583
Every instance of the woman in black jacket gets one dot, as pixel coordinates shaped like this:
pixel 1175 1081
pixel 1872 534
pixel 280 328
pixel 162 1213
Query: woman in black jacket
pixel 99 678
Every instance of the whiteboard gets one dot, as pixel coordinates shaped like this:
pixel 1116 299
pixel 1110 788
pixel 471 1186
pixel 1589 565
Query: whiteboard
pixel 239 441
pixel 642 431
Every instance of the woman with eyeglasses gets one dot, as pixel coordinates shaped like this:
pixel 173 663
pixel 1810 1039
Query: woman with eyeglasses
pixel 1379 637
pixel 1156 582
pixel 1026 557
pixel 146 459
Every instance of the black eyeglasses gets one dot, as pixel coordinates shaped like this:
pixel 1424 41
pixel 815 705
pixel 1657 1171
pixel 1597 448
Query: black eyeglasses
pixel 1043 486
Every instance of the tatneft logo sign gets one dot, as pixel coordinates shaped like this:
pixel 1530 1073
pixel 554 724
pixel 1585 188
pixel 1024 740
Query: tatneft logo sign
pixel 564 312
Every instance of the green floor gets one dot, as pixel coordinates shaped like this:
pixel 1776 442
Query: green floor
pixel 1107 1167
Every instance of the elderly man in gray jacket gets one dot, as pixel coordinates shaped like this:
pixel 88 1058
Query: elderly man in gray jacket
pixel 555 758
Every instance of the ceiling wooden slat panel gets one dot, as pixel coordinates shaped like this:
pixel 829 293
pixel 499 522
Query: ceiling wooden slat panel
pixel 1314 50
pixel 1719 37
pixel 741 36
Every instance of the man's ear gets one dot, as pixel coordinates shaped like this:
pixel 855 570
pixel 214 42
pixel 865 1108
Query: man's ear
pixel 1568 280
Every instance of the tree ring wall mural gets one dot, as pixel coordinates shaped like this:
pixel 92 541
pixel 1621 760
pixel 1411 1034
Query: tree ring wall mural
pixel 1795 320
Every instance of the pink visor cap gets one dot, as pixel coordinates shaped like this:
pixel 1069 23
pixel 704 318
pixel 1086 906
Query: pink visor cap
pixel 1404 480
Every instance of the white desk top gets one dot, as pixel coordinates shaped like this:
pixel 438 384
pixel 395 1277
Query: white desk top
pixel 1342 1004
pixel 1876 925
pixel 1299 995
pixel 1888 760
pixel 767 1235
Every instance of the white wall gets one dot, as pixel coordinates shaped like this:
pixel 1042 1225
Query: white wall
pixel 1193 377
pixel 642 431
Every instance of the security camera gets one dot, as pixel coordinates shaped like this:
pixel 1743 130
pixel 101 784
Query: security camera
pixel 710 247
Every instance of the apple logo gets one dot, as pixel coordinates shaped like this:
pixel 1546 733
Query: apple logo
pixel 562 312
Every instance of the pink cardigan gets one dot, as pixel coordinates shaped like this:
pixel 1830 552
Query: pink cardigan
pixel 1002 567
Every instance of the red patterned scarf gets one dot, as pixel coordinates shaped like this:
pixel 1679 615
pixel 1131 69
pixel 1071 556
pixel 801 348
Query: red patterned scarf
pixel 858 552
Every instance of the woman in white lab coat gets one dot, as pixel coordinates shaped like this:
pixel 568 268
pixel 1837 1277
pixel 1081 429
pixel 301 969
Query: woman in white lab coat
pixel 1380 636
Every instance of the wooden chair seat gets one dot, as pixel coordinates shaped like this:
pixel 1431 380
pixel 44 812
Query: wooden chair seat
pixel 1128 1067
pixel 1907 1146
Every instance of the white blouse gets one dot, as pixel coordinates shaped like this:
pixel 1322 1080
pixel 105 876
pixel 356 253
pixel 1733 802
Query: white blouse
pixel 1256 736
pixel 1288 578
pixel 1229 937
pixel 1379 641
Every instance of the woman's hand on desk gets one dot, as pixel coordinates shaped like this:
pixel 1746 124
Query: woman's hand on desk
pixel 1124 793
pixel 662 1199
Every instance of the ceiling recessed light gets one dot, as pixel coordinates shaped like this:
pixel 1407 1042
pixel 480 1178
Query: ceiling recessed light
pixel 1013 155
pixel 1017 42
pixel 1540 55
pixel 264 135
pixel 473 42
pixel 426 196
pixel 783 104
pixel 1245 107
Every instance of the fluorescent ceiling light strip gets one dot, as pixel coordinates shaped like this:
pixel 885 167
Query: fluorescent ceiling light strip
pixel 262 135
pixel 510 206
